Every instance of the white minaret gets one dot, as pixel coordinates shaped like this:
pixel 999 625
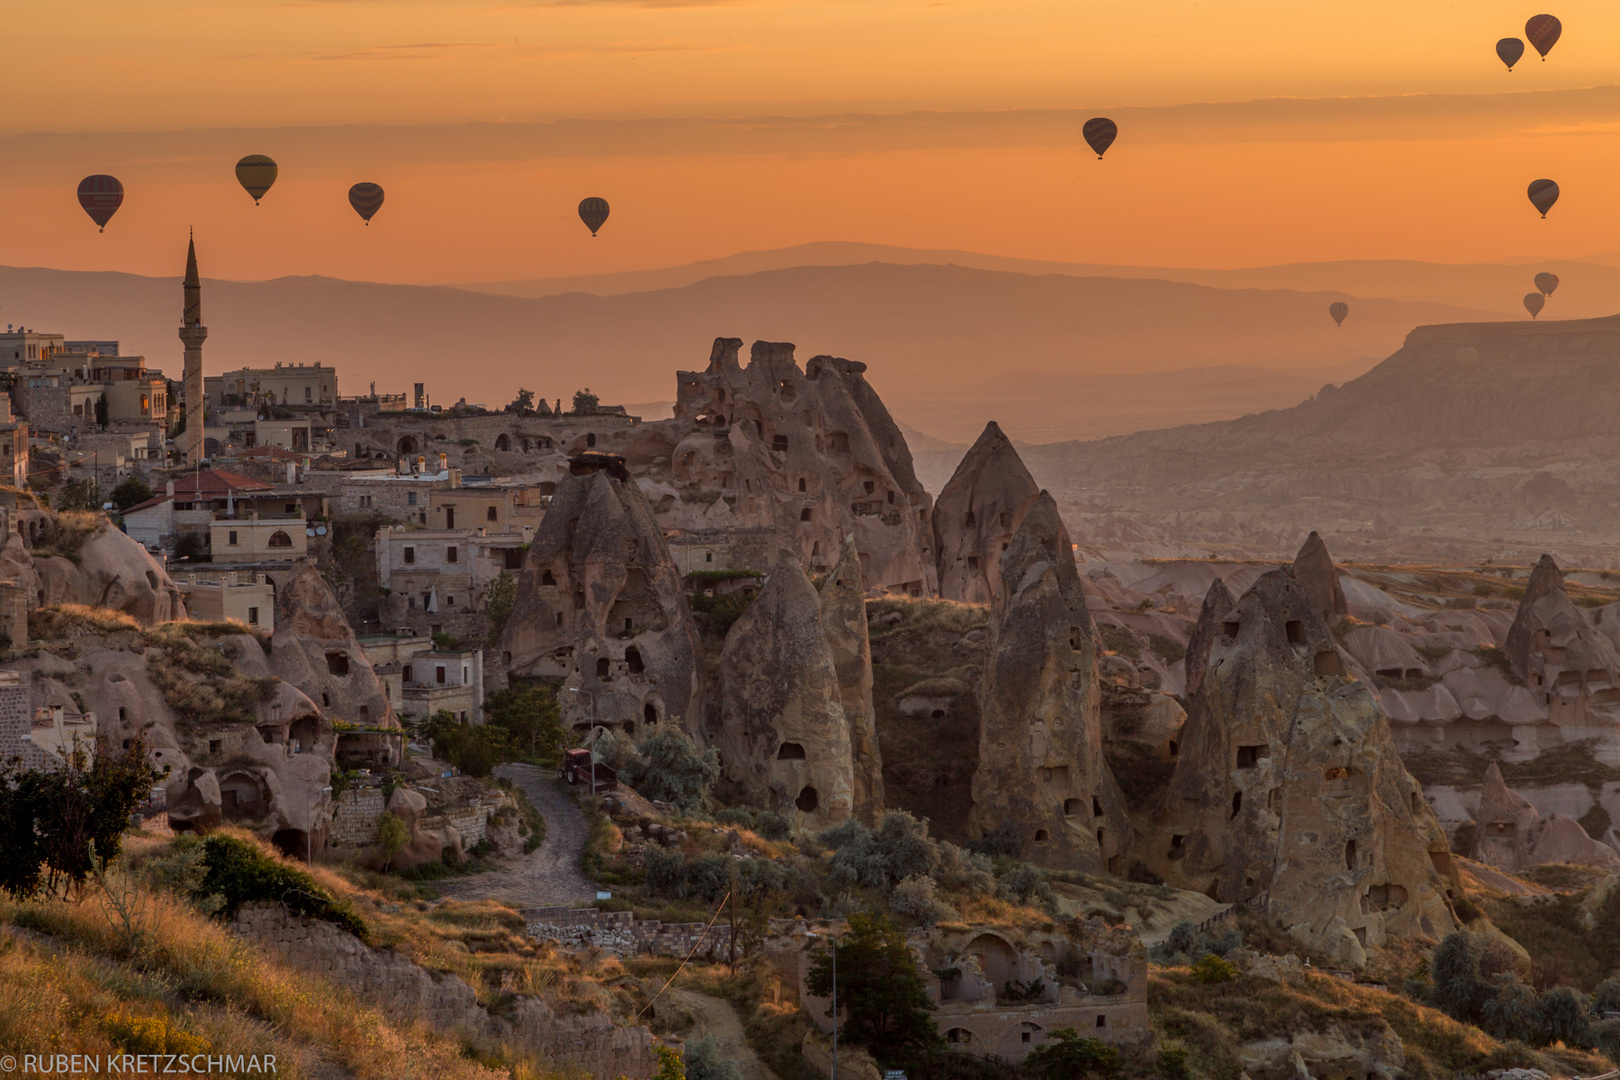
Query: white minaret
pixel 192 334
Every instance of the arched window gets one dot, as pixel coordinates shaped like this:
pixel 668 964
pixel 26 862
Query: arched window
pixel 280 539
pixel 502 442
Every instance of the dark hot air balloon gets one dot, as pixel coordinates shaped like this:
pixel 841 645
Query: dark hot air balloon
pixel 1338 309
pixel 256 173
pixel 1508 50
pixel 366 199
pixel 1543 31
pixel 1543 193
pixel 1533 303
pixel 593 212
pixel 1546 283
pixel 101 196
pixel 1100 133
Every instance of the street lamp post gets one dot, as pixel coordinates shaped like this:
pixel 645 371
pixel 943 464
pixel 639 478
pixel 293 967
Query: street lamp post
pixel 833 945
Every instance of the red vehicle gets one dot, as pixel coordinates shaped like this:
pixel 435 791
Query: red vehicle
pixel 576 769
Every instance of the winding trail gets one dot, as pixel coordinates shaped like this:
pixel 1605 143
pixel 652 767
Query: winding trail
pixel 549 876
pixel 717 1017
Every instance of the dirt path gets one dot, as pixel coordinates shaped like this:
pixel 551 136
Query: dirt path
pixel 716 1017
pixel 549 876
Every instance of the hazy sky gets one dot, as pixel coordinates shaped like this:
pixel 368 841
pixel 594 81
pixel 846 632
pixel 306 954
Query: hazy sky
pixel 1253 131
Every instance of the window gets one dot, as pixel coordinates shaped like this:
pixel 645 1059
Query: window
pixel 407 673
pixel 449 517
pixel 438 674
pixel 307 395
pixel 280 539
pixel 410 498
pixel 231 538
pixel 492 514
pixel 804 515
pixel 410 603
pixel 253 616
pixel 450 554
pixel 337 663
pixel 408 555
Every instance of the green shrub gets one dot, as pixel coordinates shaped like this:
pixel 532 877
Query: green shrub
pixel 238 873
pixel 1069 1056
pixel 1213 969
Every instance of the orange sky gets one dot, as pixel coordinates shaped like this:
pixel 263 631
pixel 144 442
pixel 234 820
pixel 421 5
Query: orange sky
pixel 715 127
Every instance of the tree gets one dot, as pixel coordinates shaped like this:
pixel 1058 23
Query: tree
pixel 1070 1055
pixel 131 492
pixel 79 495
pixel 585 402
pixel 523 404
pixel 669 767
pixel 1564 1017
pixel 1465 970
pixel 528 715
pixel 498 603
pixel 880 990
pixel 393 834
pixel 101 410
pixel 62 824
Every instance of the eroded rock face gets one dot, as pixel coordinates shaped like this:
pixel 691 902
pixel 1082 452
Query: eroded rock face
pixel 1217 602
pixel 1314 570
pixel 976 516
pixel 109 571
pixel 812 456
pixel 843 623
pixel 1289 787
pixel 1510 834
pixel 600 605
pixel 314 649
pixel 783 735
pixel 1041 764
pixel 1560 655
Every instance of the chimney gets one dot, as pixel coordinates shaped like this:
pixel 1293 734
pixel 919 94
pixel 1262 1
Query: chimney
pixel 292 472
pixel 169 489
pixel 444 462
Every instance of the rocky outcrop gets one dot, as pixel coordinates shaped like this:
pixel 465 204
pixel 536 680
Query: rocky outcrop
pixel 1510 835
pixel 976 515
pixel 812 456
pixel 1314 570
pixel 1288 789
pixel 1041 767
pixel 314 649
pixel 1560 655
pixel 106 569
pixel 843 623
pixel 783 736
pixel 600 605
pixel 1217 602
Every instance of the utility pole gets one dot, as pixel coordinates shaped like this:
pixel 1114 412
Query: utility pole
pixel 731 946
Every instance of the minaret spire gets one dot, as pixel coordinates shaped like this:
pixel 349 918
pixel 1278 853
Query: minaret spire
pixel 192 335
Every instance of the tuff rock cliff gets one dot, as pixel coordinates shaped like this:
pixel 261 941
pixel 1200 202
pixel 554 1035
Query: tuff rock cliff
pixel 976 516
pixel 600 605
pixel 1288 789
pixel 1217 602
pixel 1511 835
pixel 783 735
pixel 1313 569
pixel 843 624
pixel 1041 768
pixel 1561 657
pixel 107 569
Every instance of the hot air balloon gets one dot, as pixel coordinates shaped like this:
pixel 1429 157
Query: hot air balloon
pixel 101 196
pixel 1533 303
pixel 1546 283
pixel 593 212
pixel 1338 309
pixel 1543 193
pixel 1543 31
pixel 1508 50
pixel 1100 133
pixel 366 199
pixel 256 173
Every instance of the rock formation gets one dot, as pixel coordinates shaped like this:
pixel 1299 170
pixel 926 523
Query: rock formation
pixel 107 569
pixel 810 455
pixel 1288 787
pixel 976 516
pixel 1041 766
pixel 1217 602
pixel 783 736
pixel 1314 570
pixel 1510 835
pixel 1560 656
pixel 600 605
pixel 843 623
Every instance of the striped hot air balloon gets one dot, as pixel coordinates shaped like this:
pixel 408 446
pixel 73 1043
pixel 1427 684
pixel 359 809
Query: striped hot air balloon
pixel 101 196
pixel 1533 303
pixel 256 173
pixel 593 212
pixel 1509 50
pixel 1338 309
pixel 1543 193
pixel 1543 32
pixel 366 199
pixel 1546 283
pixel 1100 133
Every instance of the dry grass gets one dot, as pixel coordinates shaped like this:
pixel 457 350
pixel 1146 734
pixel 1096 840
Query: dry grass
pixel 198 678
pixel 78 620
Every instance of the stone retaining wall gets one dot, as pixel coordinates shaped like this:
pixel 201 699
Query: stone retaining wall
pixel 410 992
pixel 650 935
pixel 355 816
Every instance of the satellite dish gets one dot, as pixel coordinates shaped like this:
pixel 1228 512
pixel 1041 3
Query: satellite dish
pixel 309 532
pixel 320 530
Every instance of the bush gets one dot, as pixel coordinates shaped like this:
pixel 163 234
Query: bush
pixel 1172 1063
pixel 132 491
pixel 899 848
pixel 1564 1017
pixel 1027 885
pixel 1068 1056
pixel 669 767
pixel 1607 1037
pixel 913 898
pixel 1006 841
pixel 766 823
pixel 238 872
pixel 1213 969
pixel 705 1060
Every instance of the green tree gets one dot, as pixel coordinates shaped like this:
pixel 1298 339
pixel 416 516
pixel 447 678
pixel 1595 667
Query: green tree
pixel 1069 1055
pixel 131 492
pixel 1565 1019
pixel 101 410
pixel 880 990
pixel 79 495
pixel 59 825
pixel 393 834
pixel 528 715
pixel 523 404
pixel 585 402
pixel 498 603
pixel 669 767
